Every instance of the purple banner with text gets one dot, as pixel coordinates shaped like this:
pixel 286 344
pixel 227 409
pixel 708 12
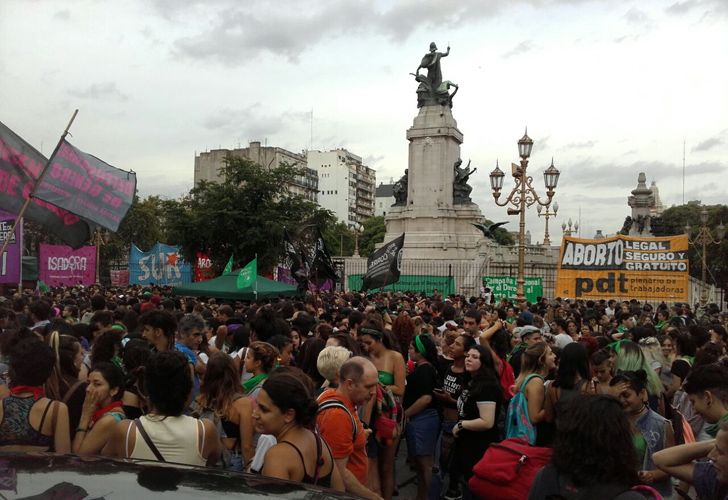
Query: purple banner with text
pixel 60 265
pixel 10 260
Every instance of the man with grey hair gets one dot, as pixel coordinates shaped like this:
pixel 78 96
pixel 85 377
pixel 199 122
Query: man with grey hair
pixel 189 336
pixel 340 426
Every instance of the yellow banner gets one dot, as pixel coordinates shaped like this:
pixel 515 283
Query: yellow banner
pixel 624 267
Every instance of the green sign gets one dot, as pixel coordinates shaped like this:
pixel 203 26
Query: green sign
pixel 445 285
pixel 505 286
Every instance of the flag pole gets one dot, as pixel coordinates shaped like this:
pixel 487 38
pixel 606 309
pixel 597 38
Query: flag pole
pixel 255 283
pixel 38 181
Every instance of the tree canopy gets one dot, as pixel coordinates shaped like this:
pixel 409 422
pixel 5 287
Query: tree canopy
pixel 244 215
pixel 674 220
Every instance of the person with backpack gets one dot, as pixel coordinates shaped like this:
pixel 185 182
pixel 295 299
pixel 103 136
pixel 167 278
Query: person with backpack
pixel 478 406
pixel 593 456
pixel 526 409
pixel 339 424
pixel 221 400
pixel 572 379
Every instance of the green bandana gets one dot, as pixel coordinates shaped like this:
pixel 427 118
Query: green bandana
pixel 251 383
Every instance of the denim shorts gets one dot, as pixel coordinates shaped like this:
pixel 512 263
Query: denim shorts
pixel 422 432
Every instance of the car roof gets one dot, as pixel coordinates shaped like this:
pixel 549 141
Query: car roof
pixel 66 476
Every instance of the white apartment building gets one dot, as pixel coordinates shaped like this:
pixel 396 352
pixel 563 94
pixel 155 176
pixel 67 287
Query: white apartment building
pixel 208 164
pixel 346 187
pixel 383 199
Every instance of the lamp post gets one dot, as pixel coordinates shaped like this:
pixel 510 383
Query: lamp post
pixel 546 215
pixel 356 227
pixel 523 196
pixel 571 228
pixel 705 238
pixel 100 238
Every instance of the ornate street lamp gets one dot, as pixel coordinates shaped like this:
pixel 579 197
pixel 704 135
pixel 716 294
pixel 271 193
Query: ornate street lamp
pixel 523 196
pixel 705 238
pixel 546 214
pixel 571 228
pixel 356 227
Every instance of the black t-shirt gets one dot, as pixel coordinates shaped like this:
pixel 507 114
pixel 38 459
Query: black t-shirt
pixel 471 445
pixel 453 384
pixel 422 381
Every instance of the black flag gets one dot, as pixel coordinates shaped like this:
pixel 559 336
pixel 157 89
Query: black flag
pixel 384 265
pixel 296 262
pixel 322 267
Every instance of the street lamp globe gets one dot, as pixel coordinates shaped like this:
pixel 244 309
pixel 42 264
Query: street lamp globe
pixel 496 178
pixel 704 216
pixel 556 207
pixel 720 231
pixel 525 145
pixel 551 176
pixel 688 228
pixel 539 208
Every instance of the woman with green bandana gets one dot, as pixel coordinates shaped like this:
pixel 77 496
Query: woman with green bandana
pixel 421 410
pixel 260 360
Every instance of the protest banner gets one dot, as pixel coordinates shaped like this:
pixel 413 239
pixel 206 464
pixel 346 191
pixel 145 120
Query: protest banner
pixel 162 265
pixel 61 265
pixel 505 286
pixel 87 186
pixel 20 167
pixel 624 267
pixel 203 269
pixel 119 277
pixel 384 265
pixel 10 262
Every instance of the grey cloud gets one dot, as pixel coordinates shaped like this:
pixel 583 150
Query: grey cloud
pixel 253 122
pixel 709 7
pixel 707 144
pixel 106 90
pixel 62 15
pixel 242 31
pixel 580 145
pixel 521 48
pixel 373 159
pixel 589 174
pixel 637 17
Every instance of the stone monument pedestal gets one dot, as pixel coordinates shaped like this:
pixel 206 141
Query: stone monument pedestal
pixel 435 226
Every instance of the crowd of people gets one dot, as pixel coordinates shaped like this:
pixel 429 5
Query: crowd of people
pixel 629 399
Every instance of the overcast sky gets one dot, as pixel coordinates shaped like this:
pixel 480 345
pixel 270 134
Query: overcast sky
pixel 608 88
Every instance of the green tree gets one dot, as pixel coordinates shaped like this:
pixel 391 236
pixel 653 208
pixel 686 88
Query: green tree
pixel 674 220
pixel 372 233
pixel 339 239
pixel 244 215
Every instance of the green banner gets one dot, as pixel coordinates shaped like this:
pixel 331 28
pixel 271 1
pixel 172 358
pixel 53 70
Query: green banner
pixel 505 286
pixel 445 285
pixel 248 274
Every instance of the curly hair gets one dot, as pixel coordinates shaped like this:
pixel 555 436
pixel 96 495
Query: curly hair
pixel 168 382
pixel 31 362
pixel 265 353
pixel 593 442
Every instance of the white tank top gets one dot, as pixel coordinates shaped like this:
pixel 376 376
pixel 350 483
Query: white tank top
pixel 176 438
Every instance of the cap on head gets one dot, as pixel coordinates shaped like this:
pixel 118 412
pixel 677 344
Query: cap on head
pixel 525 331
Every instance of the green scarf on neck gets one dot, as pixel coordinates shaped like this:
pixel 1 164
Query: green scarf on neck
pixel 251 383
pixel 713 429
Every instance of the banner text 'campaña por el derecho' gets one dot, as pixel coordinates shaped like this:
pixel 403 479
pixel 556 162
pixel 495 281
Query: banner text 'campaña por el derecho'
pixel 624 267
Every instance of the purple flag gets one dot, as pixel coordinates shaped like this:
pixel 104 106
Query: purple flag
pixel 86 186
pixel 20 166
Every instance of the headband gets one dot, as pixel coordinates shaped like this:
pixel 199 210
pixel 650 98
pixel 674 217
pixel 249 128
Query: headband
pixel 419 345
pixel 370 331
